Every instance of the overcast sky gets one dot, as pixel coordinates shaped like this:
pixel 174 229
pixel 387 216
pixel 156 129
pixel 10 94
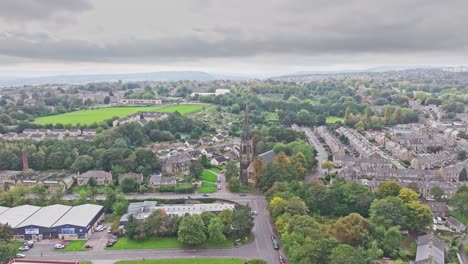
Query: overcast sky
pixel 228 36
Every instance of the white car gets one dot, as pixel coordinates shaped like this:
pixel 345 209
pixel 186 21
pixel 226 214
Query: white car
pixel 20 255
pixel 23 248
pixel 59 246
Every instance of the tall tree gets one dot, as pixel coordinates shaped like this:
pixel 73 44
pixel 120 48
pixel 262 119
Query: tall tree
pixel 191 230
pixel 391 242
pixel 7 252
pixel 345 254
pixel 215 230
pixel 389 188
pixel 242 221
pixel 258 168
pixel 196 169
pixel 352 229
pixel 459 201
pixel 408 195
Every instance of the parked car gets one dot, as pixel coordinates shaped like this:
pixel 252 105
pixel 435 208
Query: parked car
pixel 243 194
pixel 59 246
pixel 109 244
pixel 281 259
pixel 29 243
pixel 23 248
pixel 88 246
pixel 20 255
pixel 109 231
pixel 205 195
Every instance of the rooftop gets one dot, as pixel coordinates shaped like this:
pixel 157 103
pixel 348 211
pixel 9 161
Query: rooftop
pixel 46 216
pixel 3 209
pixel 80 215
pixel 17 215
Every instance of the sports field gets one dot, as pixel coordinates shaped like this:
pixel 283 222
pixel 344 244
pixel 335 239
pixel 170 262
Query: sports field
pixel 86 117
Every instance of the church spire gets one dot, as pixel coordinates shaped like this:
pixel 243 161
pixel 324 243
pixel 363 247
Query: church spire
pixel 246 133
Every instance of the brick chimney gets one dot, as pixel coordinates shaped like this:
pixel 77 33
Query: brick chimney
pixel 25 161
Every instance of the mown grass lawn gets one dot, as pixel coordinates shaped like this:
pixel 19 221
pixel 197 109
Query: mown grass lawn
pixel 77 189
pixel 208 176
pixel 185 261
pixel 208 184
pixel 334 119
pixel 87 117
pixel 216 169
pixel 76 245
pixel 169 242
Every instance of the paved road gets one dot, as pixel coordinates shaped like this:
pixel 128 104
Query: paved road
pixel 322 154
pixel 260 247
pixel 463 254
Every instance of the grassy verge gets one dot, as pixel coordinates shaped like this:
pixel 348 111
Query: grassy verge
pixel 208 176
pixel 185 261
pixel 76 245
pixel 466 248
pixel 207 190
pixel 86 262
pixel 15 245
pixel 169 242
pixel 208 184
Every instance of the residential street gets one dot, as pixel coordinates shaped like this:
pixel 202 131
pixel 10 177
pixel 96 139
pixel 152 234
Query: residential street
pixel 463 254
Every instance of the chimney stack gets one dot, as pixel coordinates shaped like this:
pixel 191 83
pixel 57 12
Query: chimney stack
pixel 25 161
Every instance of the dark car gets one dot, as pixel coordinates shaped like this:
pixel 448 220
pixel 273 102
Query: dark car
pixel 109 244
pixel 205 195
pixel 243 194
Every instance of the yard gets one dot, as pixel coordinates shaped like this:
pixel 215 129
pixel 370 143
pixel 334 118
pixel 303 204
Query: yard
pixel 207 187
pixel 87 117
pixel 76 245
pixel 185 261
pixel 334 119
pixel 459 217
pixel 215 169
pixel 168 242
pixel 77 189
pixel 208 176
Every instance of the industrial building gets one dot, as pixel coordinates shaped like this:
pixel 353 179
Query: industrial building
pixel 142 210
pixel 53 221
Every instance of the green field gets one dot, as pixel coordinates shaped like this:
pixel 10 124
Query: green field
pixel 215 169
pixel 76 245
pixel 207 190
pixel 87 117
pixel 334 119
pixel 208 176
pixel 185 261
pixel 169 242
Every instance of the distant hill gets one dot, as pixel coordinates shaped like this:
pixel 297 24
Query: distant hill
pixel 127 77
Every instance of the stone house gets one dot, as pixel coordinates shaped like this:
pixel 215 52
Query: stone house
pixel 101 177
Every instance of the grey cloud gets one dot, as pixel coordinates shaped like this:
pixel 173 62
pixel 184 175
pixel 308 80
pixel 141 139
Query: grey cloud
pixel 269 28
pixel 21 10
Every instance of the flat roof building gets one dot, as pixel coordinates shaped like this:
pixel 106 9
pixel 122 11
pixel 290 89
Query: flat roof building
pixel 16 215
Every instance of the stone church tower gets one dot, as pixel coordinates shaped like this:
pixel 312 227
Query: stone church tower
pixel 246 149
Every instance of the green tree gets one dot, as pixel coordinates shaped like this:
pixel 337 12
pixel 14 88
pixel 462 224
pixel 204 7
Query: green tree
pixel 92 182
pixel 6 233
pixel 121 205
pixel 110 199
pixel 352 229
pixel 345 254
pixel 296 206
pixel 129 184
pixel 459 201
pixel 408 195
pixel 231 170
pixel 226 219
pixel 234 184
pixel 242 221
pixel 419 216
pixel 388 188
pixel 438 193
pixel 328 165
pixel 205 162
pixel 277 206
pixel 414 186
pixel 131 227
pixel 387 212
pixel 7 252
pixel 196 169
pixel 215 230
pixel 191 230
pixel 82 164
pixel 391 242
